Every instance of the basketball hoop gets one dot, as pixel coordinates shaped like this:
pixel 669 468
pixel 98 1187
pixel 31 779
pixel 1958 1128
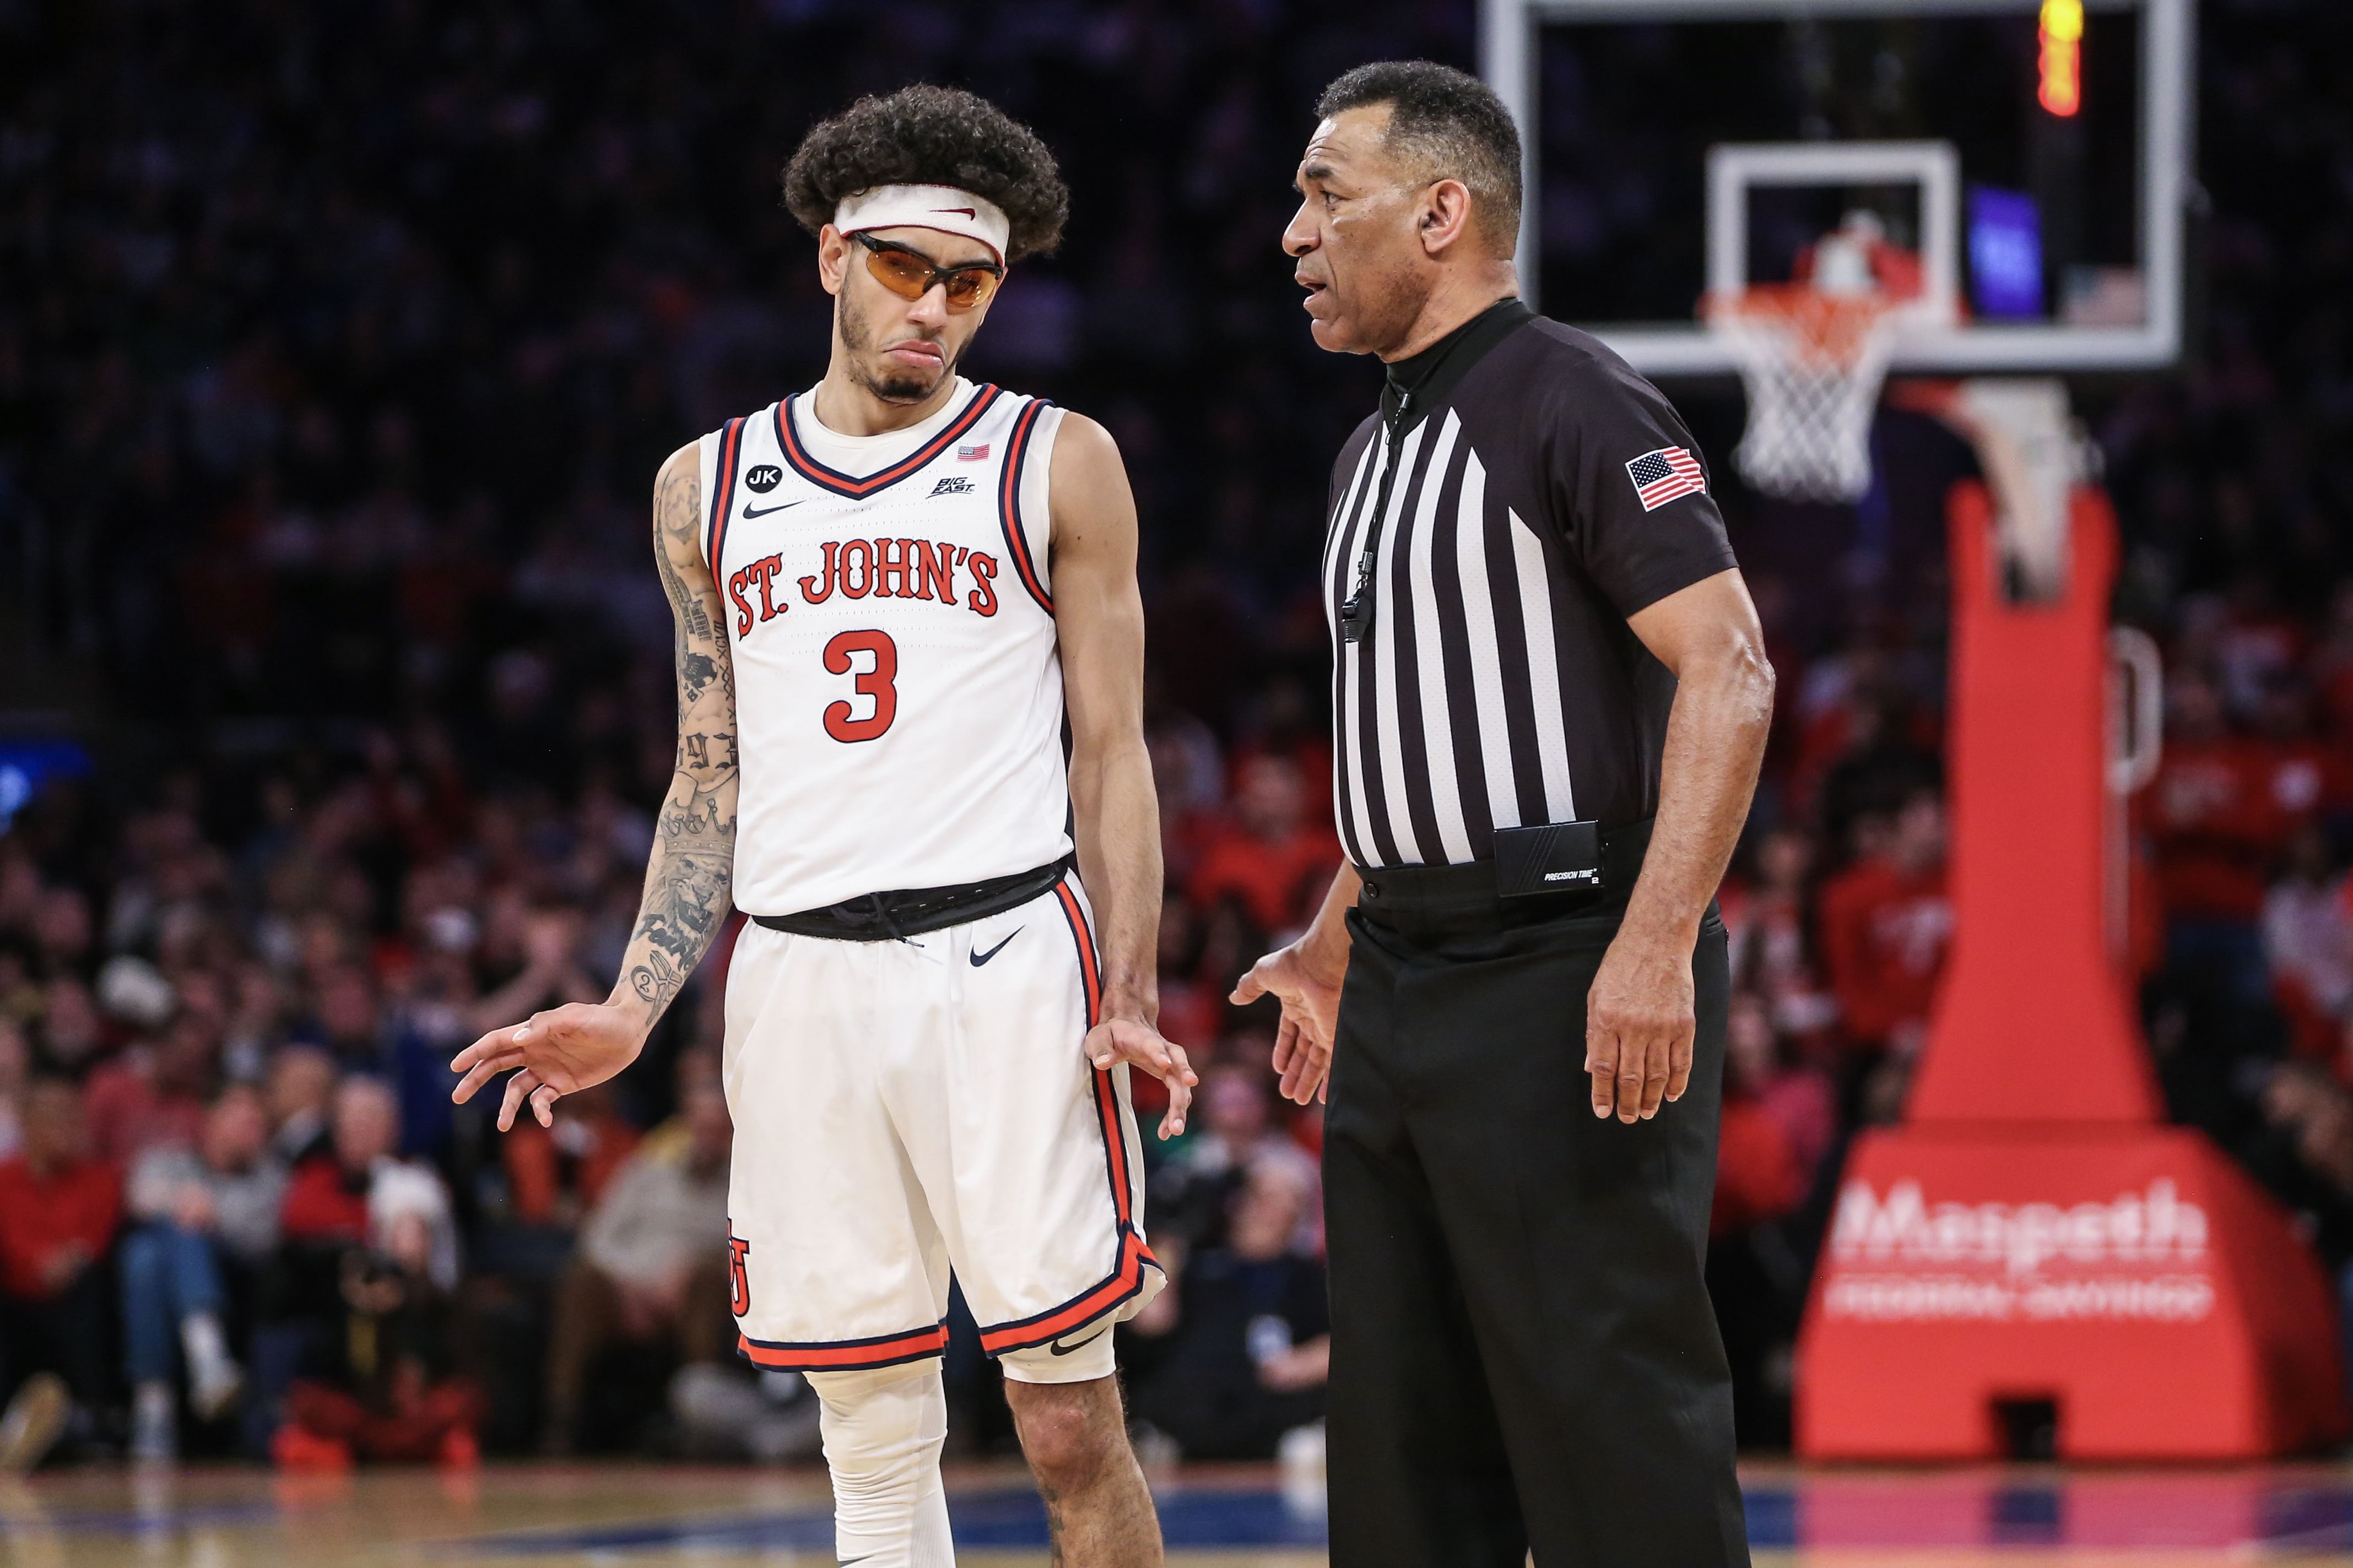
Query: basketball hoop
pixel 1811 363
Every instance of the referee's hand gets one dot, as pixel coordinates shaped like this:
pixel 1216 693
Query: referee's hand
pixel 1310 994
pixel 1637 1026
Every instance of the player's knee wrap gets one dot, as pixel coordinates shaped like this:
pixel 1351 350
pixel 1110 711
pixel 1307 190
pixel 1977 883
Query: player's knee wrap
pixel 883 1432
pixel 885 1425
pixel 1083 1359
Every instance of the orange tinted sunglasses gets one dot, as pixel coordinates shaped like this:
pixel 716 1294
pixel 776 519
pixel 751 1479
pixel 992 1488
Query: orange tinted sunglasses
pixel 911 275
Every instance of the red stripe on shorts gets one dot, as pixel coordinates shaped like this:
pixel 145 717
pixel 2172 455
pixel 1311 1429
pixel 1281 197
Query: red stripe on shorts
pixel 1133 1256
pixel 844 1355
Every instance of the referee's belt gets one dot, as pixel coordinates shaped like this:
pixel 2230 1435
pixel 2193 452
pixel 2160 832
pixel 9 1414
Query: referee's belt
pixel 911 912
pixel 1476 882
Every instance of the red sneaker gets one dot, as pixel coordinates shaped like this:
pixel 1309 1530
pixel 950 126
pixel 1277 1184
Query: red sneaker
pixel 293 1448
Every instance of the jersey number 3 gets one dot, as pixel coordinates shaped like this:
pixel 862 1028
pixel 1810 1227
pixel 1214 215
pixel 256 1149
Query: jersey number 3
pixel 876 683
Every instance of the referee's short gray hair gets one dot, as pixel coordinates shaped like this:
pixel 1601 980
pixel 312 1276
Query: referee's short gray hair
pixel 1448 125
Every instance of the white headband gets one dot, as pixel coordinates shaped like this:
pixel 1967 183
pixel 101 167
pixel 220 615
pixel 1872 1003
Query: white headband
pixel 943 207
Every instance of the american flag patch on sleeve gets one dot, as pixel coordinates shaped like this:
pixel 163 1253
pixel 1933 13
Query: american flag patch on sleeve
pixel 1659 477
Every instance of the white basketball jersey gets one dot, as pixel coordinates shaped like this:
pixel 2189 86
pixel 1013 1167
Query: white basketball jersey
pixel 898 691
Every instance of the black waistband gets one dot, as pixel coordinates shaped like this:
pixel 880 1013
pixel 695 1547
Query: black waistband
pixel 1457 896
pixel 911 912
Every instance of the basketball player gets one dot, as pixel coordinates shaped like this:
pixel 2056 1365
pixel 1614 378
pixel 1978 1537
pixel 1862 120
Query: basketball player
pixel 892 593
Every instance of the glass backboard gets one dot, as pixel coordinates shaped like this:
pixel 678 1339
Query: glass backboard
pixel 2035 153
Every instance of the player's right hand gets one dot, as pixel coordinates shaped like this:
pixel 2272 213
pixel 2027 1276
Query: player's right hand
pixel 1310 995
pixel 1139 1044
pixel 557 1052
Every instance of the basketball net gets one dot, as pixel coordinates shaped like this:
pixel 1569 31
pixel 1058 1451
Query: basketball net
pixel 1812 354
pixel 1812 363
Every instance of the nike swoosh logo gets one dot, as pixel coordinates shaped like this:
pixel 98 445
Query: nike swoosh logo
pixel 980 958
pixel 955 212
pixel 752 511
pixel 1059 1348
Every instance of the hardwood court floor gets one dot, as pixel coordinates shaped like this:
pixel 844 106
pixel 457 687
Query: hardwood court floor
pixel 629 1516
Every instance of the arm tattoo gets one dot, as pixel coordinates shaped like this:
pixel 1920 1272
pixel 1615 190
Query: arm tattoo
pixel 691 873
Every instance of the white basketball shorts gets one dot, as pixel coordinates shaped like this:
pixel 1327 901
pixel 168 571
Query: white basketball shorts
pixel 907 1107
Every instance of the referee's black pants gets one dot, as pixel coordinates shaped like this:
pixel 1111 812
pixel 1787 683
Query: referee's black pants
pixel 1523 1352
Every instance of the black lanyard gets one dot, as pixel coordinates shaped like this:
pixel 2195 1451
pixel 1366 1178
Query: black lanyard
pixel 1356 610
pixel 1434 373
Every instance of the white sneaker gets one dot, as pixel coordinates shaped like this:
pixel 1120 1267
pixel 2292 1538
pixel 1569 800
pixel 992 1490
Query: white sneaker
pixel 214 1389
pixel 1301 1457
pixel 214 1380
pixel 154 1424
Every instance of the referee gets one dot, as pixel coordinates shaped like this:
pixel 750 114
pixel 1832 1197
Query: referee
pixel 1550 697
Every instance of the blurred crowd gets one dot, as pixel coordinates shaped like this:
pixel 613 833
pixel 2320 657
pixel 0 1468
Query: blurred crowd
pixel 336 349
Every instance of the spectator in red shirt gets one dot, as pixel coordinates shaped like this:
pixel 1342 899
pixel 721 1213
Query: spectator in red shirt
pixel 2213 812
pixel 2215 818
pixel 1761 1177
pixel 327 1199
pixel 2298 770
pixel 59 1209
pixel 1885 925
pixel 1757 1175
pixel 1273 860
pixel 1797 1098
pixel 153 1097
pixel 341 1201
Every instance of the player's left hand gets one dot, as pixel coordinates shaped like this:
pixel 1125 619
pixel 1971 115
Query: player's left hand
pixel 1134 1041
pixel 1639 1027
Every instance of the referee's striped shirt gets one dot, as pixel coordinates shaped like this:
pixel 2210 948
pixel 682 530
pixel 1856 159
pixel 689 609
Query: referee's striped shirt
pixel 1523 491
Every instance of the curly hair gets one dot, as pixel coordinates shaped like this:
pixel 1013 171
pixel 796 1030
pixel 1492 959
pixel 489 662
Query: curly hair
pixel 926 135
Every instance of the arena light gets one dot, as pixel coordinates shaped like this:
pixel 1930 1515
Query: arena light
pixel 2061 90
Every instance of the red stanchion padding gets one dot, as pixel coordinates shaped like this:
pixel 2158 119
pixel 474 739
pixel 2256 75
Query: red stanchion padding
pixel 2133 1277
pixel 2033 1020
pixel 2033 1233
